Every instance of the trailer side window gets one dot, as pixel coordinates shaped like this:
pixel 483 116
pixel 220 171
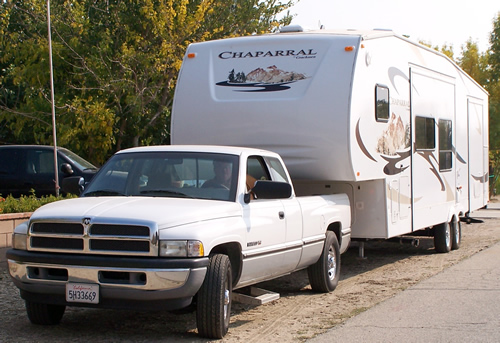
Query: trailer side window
pixel 445 145
pixel 382 103
pixel 425 133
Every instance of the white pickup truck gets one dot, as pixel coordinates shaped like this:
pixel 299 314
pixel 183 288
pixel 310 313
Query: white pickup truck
pixel 164 227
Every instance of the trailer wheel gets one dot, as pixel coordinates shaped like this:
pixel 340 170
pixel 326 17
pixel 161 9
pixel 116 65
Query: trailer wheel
pixel 442 237
pixel 44 314
pixel 456 233
pixel 324 275
pixel 214 299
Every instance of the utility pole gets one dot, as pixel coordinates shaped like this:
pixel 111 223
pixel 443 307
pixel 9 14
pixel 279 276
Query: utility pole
pixel 56 172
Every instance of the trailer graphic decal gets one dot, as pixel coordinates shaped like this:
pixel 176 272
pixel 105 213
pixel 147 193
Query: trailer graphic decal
pixel 270 79
pixel 361 144
pixel 428 155
pixel 481 179
pixel 390 168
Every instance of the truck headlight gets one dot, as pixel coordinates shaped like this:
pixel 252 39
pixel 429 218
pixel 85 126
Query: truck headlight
pixel 181 249
pixel 20 241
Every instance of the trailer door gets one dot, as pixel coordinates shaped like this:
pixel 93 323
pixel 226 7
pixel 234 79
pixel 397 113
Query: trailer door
pixel 433 135
pixel 478 155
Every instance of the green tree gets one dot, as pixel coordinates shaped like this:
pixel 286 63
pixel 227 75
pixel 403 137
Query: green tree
pixel 445 49
pixel 115 63
pixel 493 87
pixel 474 63
pixel 494 51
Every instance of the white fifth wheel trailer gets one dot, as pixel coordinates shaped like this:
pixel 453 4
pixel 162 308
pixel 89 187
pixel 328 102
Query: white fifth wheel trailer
pixel 397 126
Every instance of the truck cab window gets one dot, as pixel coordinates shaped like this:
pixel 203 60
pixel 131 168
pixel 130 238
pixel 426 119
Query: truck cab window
pixel 277 171
pixel 256 168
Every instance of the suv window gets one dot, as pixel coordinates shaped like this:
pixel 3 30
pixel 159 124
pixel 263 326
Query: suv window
pixel 8 155
pixel 39 162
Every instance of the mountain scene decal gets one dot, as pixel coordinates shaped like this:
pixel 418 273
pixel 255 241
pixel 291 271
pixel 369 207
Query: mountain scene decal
pixel 270 79
pixel 395 138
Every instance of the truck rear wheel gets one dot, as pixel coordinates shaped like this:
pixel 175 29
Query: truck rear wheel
pixel 44 314
pixel 442 237
pixel 324 275
pixel 214 299
pixel 456 233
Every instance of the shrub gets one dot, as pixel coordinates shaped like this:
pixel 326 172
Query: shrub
pixel 27 203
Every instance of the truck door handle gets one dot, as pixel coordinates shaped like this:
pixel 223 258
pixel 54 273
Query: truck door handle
pixel 281 214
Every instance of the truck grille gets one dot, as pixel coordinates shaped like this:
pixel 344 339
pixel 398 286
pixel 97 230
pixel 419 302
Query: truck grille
pixel 92 239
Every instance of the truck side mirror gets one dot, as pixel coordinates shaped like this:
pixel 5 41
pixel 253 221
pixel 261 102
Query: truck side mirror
pixel 272 190
pixel 67 169
pixel 73 185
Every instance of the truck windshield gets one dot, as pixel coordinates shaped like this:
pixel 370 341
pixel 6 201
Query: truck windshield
pixel 167 174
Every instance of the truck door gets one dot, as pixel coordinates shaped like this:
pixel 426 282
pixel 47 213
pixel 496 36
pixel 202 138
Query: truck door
pixel 293 218
pixel 266 230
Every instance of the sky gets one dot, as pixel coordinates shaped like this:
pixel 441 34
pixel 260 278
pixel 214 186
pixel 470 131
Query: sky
pixel 437 22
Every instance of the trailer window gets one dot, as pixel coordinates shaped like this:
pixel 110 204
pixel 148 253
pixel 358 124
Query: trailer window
pixel 425 133
pixel 382 103
pixel 445 145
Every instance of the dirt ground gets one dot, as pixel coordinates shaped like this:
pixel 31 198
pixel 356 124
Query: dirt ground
pixel 299 314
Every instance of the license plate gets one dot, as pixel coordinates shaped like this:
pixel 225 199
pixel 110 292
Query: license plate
pixel 82 293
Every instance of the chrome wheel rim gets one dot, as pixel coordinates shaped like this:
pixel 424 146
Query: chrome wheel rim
pixel 448 235
pixel 227 301
pixel 332 263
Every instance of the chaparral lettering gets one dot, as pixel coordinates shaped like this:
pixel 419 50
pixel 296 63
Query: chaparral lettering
pixel 309 53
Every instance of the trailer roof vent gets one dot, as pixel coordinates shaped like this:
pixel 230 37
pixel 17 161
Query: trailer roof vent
pixel 292 28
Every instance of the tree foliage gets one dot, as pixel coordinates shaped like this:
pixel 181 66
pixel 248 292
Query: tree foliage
pixel 115 65
pixel 485 69
pixel 493 87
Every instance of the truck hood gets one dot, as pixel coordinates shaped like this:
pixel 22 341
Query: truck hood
pixel 164 212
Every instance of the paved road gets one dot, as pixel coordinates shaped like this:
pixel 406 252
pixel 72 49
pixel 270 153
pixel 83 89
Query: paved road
pixel 461 304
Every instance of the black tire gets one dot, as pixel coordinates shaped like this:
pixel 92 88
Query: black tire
pixel 325 273
pixel 214 299
pixel 442 237
pixel 456 234
pixel 44 314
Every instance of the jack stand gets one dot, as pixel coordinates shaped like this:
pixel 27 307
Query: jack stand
pixel 361 250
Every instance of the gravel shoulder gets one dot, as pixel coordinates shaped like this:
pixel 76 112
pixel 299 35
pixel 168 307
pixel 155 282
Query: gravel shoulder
pixel 299 314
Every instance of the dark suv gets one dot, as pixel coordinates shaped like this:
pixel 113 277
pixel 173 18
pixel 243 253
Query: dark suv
pixel 27 167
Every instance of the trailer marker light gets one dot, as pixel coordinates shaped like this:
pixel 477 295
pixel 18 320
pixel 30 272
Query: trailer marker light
pixel 191 55
pixel 349 48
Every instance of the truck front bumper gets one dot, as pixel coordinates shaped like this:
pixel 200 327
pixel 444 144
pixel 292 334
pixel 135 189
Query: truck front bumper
pixel 124 282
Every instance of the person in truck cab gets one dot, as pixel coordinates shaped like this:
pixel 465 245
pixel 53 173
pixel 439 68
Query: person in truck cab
pixel 222 178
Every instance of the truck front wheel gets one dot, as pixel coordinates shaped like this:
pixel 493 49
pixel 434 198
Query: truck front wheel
pixel 214 298
pixel 44 314
pixel 324 275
